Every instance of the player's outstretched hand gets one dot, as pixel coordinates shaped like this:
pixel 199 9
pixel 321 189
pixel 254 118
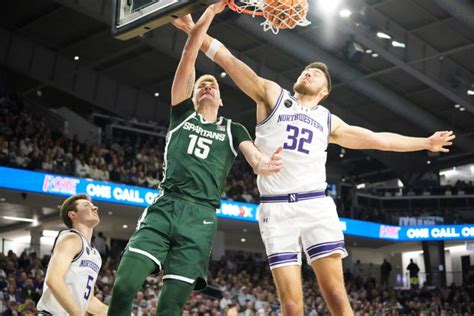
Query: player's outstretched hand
pixel 439 140
pixel 218 7
pixel 272 165
pixel 184 23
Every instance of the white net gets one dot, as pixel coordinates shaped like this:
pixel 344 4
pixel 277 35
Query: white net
pixel 251 7
pixel 278 14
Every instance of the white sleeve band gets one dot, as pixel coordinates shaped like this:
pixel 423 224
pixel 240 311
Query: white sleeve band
pixel 213 48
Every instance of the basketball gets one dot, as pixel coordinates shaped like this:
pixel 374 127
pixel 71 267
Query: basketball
pixel 284 14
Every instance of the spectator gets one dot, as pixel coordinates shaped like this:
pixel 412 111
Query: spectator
pixel 225 300
pixel 100 244
pixel 385 270
pixel 413 273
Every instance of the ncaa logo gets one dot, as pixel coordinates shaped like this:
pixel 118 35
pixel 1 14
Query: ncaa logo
pixel 288 103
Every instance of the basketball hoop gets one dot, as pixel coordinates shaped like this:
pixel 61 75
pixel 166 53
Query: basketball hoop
pixel 278 14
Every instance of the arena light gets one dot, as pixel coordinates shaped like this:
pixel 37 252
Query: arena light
pixel 345 13
pixel 369 51
pixel 124 226
pixel 398 44
pixel 375 55
pixel 76 58
pixel 457 248
pixel 462 109
pixel 470 92
pixel 157 94
pixel 472 169
pixel 223 74
pixel 428 162
pixel 457 106
pixel 50 233
pixel 19 219
pixel 328 6
pixel 383 35
pixel 361 186
pixel 243 240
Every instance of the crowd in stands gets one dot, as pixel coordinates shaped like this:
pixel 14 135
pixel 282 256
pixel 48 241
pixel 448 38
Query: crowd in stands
pixel 26 141
pixel 241 284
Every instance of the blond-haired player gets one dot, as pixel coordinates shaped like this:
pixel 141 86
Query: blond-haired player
pixel 175 233
pixel 295 212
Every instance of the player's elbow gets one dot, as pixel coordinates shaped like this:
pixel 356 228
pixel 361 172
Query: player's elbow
pixel 189 52
pixel 384 144
pixel 52 282
pixel 378 142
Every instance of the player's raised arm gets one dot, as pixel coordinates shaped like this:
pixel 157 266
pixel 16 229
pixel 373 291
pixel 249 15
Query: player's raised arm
pixel 184 77
pixel 261 90
pixel 355 137
pixel 67 247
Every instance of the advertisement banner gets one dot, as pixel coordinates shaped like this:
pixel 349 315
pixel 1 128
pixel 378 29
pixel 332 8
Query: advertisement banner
pixel 44 183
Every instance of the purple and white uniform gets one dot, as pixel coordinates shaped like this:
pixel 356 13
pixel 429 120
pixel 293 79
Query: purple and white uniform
pixel 80 279
pixel 294 210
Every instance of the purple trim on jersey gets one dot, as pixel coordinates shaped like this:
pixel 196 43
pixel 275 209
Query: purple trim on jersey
pixel 292 197
pixel 328 252
pixel 282 257
pixel 329 125
pixel 324 248
pixel 277 104
pixel 72 231
pixel 324 243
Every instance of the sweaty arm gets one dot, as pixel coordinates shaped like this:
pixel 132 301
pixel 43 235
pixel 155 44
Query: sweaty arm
pixel 185 74
pixel 355 137
pixel 96 307
pixel 264 92
pixel 261 165
pixel 67 247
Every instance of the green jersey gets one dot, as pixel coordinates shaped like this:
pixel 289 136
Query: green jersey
pixel 199 154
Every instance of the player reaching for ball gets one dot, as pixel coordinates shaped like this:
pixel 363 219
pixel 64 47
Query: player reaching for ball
pixel 295 211
pixel 175 233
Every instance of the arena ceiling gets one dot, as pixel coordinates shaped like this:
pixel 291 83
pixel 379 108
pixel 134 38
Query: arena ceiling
pixel 414 90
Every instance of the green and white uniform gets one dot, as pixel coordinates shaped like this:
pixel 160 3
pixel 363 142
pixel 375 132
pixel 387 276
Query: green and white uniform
pixel 176 231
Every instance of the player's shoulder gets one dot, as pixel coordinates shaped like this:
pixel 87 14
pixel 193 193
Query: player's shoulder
pixel 69 238
pixel 323 108
pixel 236 125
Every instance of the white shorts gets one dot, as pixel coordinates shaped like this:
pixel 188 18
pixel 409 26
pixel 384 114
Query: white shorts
pixel 312 224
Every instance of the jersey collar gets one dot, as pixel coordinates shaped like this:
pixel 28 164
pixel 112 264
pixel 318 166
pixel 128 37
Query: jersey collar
pixel 203 120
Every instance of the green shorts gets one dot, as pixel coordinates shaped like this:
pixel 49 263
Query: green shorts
pixel 177 235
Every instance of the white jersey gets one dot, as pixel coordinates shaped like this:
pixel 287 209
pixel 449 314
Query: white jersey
pixel 304 134
pixel 80 279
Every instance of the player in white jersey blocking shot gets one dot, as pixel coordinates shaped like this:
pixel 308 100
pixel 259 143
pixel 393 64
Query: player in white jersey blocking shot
pixel 75 263
pixel 295 213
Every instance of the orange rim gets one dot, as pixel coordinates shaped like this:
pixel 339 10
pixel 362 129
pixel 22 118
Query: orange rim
pixel 235 7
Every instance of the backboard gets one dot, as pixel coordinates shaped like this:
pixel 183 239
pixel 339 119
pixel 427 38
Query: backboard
pixel 132 18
